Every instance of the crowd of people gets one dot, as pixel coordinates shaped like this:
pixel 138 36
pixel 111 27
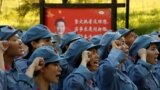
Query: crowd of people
pixel 36 60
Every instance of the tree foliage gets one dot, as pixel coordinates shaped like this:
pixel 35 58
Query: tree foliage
pixel 25 7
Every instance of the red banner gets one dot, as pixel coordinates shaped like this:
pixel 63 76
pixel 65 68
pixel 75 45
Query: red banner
pixel 86 21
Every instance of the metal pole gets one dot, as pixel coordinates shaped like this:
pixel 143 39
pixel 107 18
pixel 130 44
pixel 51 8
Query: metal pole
pixel 42 11
pixel 114 15
pixel 127 13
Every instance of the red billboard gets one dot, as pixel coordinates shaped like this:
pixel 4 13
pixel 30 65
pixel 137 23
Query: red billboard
pixel 86 21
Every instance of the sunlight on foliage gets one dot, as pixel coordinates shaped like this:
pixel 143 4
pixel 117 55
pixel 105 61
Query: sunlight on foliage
pixel 144 14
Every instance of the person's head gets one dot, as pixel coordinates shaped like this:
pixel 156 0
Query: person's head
pixel 156 35
pixel 37 36
pixel 75 50
pixel 67 39
pixel 60 25
pixel 93 64
pixel 96 39
pixel 152 53
pixel 151 46
pixel 130 35
pixel 106 41
pixel 15 48
pixel 52 70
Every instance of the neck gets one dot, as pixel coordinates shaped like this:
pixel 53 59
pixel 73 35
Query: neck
pixel 8 60
pixel 41 83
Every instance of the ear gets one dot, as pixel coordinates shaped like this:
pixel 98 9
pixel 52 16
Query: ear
pixel 34 44
pixel 42 70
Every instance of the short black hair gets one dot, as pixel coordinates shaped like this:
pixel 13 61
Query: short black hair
pixel 30 49
pixel 59 20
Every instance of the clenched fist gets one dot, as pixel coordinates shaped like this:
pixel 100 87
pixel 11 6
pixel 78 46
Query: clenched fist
pixel 85 57
pixel 142 53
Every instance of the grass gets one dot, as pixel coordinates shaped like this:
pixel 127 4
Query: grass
pixel 143 22
pixel 144 15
